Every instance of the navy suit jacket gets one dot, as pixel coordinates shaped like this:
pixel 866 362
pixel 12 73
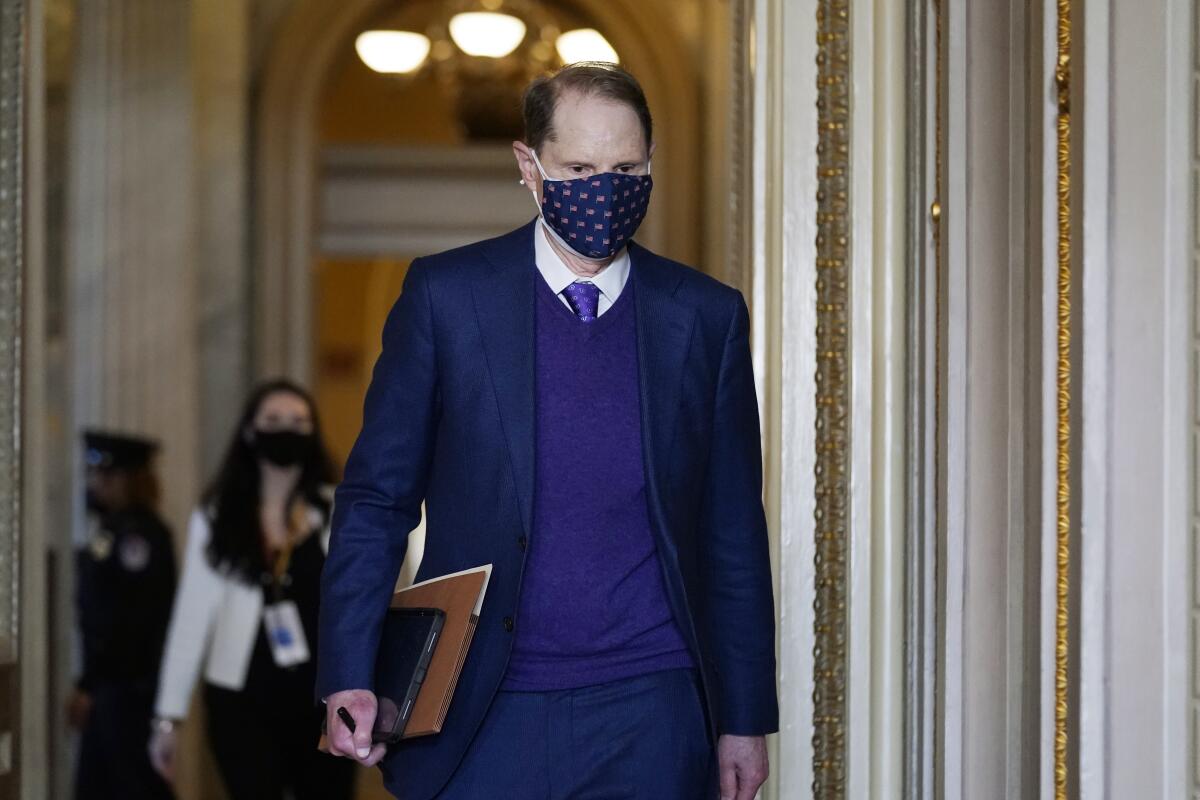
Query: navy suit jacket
pixel 449 420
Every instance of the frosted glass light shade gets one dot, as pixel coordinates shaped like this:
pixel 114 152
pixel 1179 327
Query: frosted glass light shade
pixel 585 44
pixel 393 52
pixel 486 33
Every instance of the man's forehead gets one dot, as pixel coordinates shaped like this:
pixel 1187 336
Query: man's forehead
pixel 598 125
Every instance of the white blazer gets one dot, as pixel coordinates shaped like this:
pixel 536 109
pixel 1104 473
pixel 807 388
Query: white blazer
pixel 214 621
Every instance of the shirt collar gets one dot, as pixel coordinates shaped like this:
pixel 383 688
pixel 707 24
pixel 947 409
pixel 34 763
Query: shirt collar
pixel 610 280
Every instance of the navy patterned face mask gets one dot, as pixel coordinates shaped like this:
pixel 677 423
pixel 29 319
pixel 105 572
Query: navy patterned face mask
pixel 594 216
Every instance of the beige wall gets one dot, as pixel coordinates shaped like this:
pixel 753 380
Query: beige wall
pixel 353 298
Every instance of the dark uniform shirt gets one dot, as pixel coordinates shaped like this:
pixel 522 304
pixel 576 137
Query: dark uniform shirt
pixel 126 586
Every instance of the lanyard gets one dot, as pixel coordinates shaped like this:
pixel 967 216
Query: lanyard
pixel 284 559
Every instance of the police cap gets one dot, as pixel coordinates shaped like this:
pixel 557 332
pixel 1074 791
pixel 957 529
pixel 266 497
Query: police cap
pixel 105 450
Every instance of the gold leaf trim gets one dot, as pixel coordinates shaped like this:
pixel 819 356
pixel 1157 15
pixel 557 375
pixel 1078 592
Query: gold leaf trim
pixel 1063 400
pixel 832 398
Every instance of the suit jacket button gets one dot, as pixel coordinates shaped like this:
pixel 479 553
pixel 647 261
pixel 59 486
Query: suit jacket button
pixel 522 542
pixel 508 624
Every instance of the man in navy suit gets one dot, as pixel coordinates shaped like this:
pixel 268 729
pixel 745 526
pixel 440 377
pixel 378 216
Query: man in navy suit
pixel 580 413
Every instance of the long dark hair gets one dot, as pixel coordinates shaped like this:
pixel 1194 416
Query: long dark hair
pixel 232 499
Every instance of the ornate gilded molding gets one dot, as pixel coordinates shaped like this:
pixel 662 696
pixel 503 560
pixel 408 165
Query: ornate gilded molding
pixel 832 398
pixel 1062 620
pixel 11 108
pixel 741 114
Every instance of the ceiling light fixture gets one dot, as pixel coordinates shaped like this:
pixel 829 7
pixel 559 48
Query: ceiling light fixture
pixel 488 34
pixel 585 44
pixel 392 52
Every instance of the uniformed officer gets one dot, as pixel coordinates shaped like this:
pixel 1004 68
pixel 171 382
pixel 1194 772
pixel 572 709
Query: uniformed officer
pixel 126 583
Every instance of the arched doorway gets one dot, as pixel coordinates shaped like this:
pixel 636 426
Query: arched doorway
pixel 653 46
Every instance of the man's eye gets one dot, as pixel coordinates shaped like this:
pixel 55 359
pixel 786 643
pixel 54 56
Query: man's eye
pixel 578 170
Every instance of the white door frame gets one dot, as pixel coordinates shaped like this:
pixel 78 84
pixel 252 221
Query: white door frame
pixel 1139 490
pixel 784 297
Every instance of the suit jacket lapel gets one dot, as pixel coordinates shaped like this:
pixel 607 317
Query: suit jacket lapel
pixel 504 306
pixel 664 333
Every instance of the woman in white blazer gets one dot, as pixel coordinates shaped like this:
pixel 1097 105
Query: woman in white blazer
pixel 247 605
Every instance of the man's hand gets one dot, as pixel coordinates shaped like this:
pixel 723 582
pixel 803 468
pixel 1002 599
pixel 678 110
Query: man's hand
pixel 743 763
pixel 362 705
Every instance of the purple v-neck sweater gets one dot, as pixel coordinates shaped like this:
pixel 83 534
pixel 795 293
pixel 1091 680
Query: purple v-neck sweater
pixel 593 608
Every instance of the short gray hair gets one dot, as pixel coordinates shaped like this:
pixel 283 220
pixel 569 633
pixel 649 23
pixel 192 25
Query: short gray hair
pixel 589 78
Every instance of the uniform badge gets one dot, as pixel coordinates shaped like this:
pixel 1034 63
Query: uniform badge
pixel 100 545
pixel 134 552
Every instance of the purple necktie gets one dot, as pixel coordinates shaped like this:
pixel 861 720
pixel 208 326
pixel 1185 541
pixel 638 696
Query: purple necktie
pixel 584 299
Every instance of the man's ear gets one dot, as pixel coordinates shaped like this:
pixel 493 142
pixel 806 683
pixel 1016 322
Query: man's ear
pixel 650 152
pixel 525 163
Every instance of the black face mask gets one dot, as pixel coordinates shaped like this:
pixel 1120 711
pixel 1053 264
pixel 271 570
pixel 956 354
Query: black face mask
pixel 283 448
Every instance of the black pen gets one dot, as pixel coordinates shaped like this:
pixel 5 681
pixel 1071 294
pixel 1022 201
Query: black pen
pixel 345 717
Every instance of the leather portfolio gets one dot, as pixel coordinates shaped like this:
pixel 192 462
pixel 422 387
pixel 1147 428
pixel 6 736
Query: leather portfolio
pixel 460 595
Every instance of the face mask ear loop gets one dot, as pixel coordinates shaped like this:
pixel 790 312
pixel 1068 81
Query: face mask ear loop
pixel 532 189
pixel 538 162
pixel 533 194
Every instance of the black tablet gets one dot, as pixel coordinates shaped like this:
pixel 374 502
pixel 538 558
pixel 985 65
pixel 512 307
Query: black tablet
pixel 406 645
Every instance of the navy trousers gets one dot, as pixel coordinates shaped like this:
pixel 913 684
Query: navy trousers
pixel 113 761
pixel 643 737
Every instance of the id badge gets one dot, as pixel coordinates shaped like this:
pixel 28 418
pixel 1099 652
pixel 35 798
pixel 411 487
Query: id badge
pixel 289 646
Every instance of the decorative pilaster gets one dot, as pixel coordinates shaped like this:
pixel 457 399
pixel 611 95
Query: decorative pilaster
pixel 11 261
pixel 132 277
pixel 221 55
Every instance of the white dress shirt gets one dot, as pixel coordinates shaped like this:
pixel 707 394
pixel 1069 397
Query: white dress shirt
pixel 610 280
